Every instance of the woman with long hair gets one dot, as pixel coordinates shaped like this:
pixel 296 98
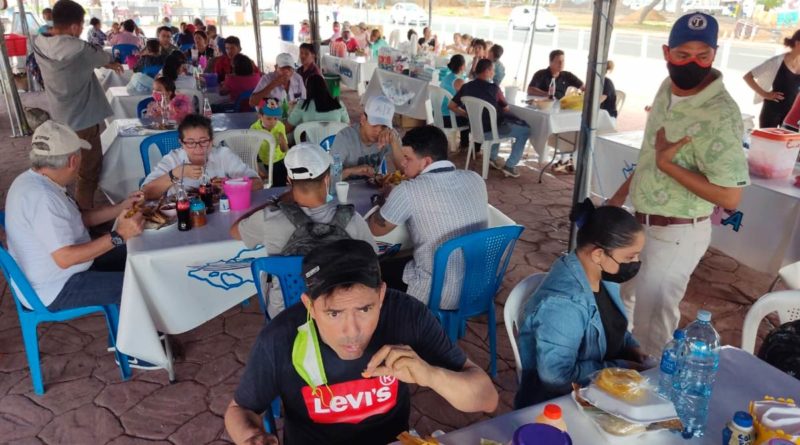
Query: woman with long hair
pixel 776 82
pixel 319 105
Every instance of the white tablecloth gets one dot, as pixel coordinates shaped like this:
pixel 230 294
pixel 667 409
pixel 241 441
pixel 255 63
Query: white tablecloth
pixel 741 378
pixel 355 73
pixel 109 78
pixel 769 234
pixel 122 162
pixel 409 95
pixel 545 123
pixel 124 104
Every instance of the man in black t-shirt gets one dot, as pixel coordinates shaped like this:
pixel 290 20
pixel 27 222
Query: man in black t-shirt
pixel 540 83
pixel 609 96
pixel 342 360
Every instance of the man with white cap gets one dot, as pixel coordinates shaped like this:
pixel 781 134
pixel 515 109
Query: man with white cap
pixel 363 147
pixel 283 84
pixel 47 232
pixel 282 228
pixel 691 160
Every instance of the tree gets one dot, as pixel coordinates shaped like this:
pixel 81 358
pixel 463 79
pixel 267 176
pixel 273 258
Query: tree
pixel 646 10
pixel 770 4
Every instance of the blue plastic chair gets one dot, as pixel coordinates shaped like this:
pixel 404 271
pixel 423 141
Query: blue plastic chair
pixel 327 143
pixel 486 255
pixel 29 319
pixel 152 70
pixel 142 106
pixel 166 142
pixel 123 50
pixel 242 101
pixel 288 269
pixel 186 47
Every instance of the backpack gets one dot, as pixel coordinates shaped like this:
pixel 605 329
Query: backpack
pixel 781 348
pixel 309 234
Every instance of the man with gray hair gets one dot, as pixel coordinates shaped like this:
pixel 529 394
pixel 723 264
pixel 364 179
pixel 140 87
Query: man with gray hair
pixel 47 231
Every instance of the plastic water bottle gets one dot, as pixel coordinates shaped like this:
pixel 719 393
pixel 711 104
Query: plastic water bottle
pixel 669 364
pixel 551 90
pixel 698 361
pixel 336 172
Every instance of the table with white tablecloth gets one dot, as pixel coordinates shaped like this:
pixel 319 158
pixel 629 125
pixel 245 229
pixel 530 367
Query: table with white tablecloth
pixel 109 78
pixel 741 378
pixel 123 104
pixel 355 72
pixel 544 123
pixel 122 162
pixel 763 233
pixel 410 95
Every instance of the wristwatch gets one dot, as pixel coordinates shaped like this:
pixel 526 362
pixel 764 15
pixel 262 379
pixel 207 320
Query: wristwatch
pixel 116 239
pixel 172 177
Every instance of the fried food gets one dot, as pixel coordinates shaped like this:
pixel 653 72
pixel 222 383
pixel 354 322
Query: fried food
pixel 407 439
pixel 134 210
pixel 625 384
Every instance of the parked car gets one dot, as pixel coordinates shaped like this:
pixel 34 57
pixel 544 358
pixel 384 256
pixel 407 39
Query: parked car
pixel 522 18
pixel 408 14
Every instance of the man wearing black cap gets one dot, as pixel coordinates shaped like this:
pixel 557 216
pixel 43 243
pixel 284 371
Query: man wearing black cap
pixel 691 160
pixel 341 362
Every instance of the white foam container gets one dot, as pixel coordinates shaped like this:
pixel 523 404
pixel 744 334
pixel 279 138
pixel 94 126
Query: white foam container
pixel 650 408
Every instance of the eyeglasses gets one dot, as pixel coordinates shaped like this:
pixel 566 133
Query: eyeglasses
pixel 202 143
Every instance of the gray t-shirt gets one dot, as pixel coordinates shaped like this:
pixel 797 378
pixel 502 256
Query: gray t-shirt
pixel 272 229
pixel 74 94
pixel 353 152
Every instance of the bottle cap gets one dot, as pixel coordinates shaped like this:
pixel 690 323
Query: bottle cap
pixel 704 315
pixel 743 419
pixel 552 411
pixel 197 205
pixel 679 334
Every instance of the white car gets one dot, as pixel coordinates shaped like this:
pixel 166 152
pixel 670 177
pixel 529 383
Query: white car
pixel 408 14
pixel 522 18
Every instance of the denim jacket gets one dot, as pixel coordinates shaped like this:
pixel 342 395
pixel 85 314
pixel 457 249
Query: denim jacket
pixel 562 339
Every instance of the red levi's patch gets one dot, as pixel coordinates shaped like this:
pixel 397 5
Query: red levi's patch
pixel 352 401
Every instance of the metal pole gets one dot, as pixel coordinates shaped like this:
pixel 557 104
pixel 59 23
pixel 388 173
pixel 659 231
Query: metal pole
pixel 533 34
pixel 16 113
pixel 257 29
pixel 219 17
pixel 23 19
pixel 602 26
pixel 313 22
pixel 430 14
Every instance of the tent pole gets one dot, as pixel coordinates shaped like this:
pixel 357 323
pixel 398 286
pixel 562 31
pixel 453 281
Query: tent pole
pixel 313 21
pixel 257 29
pixel 602 26
pixel 430 15
pixel 533 34
pixel 219 17
pixel 16 112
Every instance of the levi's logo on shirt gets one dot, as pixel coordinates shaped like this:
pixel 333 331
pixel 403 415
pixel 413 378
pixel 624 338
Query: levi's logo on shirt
pixel 352 401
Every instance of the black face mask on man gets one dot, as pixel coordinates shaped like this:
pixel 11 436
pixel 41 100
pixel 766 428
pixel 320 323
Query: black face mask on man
pixel 687 76
pixel 625 273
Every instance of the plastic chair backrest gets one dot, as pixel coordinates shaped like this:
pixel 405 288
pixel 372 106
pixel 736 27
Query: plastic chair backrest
pixel 17 282
pixel 475 109
pixel 152 70
pixel 620 100
pixel 513 312
pixel 316 132
pixel 142 106
pixel 123 50
pixel 243 101
pixel 288 269
pixel 246 144
pixel 166 142
pixel 186 47
pixel 486 256
pixel 438 96
pixel 790 274
pixel 786 303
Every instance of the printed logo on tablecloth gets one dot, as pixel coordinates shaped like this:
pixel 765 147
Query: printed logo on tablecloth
pixel 725 217
pixel 228 273
pixel 351 402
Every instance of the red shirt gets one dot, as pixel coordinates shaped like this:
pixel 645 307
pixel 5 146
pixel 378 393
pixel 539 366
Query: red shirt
pixel 352 44
pixel 223 67
pixel 236 85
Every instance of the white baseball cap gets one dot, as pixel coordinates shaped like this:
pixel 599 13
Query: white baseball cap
pixel 55 139
pixel 379 110
pixel 306 161
pixel 284 59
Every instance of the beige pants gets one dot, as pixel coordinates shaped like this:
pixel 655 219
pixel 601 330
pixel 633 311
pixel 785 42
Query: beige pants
pixel 652 299
pixel 91 164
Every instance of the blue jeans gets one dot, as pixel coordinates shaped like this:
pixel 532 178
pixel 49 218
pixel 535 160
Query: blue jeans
pixel 519 132
pixel 100 285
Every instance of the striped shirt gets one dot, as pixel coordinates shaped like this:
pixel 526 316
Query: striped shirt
pixel 440 204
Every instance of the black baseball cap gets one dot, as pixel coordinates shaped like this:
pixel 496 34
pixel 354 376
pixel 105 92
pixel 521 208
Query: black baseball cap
pixel 346 261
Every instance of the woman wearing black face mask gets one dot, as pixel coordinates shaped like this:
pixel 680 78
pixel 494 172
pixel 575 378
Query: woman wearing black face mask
pixel 575 323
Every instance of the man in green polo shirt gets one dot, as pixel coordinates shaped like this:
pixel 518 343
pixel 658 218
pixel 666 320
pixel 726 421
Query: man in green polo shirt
pixel 691 160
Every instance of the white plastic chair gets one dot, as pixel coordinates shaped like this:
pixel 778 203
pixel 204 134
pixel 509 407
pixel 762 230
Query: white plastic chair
pixel 438 95
pixel 786 303
pixel 790 275
pixel 317 131
pixel 475 108
pixel 620 100
pixel 513 312
pixel 246 143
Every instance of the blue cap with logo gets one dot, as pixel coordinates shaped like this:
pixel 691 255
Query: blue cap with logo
pixel 694 27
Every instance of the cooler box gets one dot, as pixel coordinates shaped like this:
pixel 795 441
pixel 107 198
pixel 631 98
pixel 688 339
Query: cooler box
pixel 773 152
pixel 333 81
pixel 287 33
pixel 17 45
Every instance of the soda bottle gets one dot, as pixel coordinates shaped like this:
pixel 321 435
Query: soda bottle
pixel 207 108
pixel 284 109
pixel 206 192
pixel 184 214
pixel 698 361
pixel 551 90
pixel 669 364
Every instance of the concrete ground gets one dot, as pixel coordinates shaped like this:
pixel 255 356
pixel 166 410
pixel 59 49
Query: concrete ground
pixel 87 403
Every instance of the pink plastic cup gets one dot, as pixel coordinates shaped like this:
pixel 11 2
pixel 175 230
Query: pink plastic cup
pixel 239 192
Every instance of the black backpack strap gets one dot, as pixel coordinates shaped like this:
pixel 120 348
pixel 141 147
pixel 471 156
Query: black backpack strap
pixel 294 213
pixel 344 213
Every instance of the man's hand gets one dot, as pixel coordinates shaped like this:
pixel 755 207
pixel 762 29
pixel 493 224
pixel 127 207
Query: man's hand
pixel 666 150
pixel 401 362
pixel 360 170
pixel 775 96
pixel 129 227
pixel 116 66
pixel 262 439
pixel 188 171
pixel 134 198
pixel 388 136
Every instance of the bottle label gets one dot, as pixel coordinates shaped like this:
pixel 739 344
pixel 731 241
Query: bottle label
pixel 668 363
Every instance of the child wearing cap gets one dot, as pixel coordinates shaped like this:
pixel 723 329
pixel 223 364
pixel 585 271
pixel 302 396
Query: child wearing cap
pixel 269 114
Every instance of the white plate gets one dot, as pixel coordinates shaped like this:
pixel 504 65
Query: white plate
pixel 650 408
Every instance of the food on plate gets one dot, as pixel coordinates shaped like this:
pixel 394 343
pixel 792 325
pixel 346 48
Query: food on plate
pixel 134 210
pixel 625 384
pixel 393 178
pixel 170 210
pixel 406 438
